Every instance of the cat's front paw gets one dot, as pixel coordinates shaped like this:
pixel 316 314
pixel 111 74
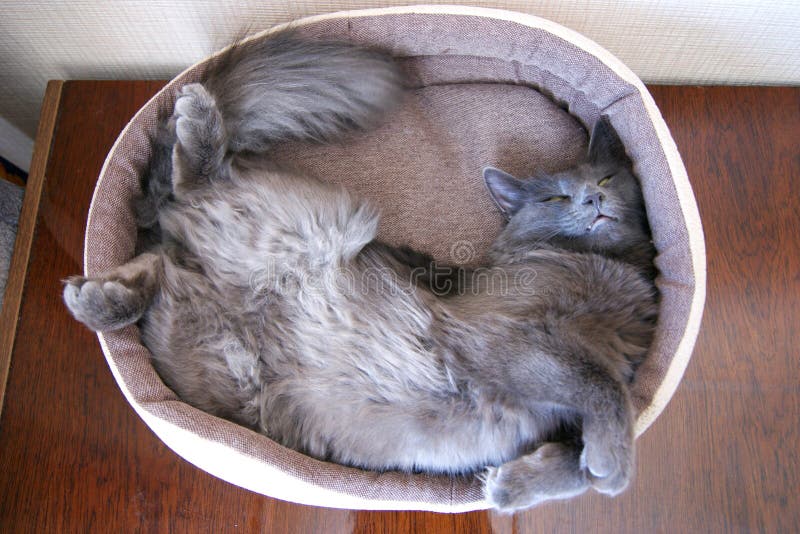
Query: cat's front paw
pixel 102 304
pixel 551 472
pixel 609 463
pixel 507 495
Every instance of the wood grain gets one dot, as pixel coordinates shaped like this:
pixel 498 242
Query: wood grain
pixel 723 457
pixel 27 221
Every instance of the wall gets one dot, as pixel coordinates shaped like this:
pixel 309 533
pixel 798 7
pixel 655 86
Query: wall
pixel 663 41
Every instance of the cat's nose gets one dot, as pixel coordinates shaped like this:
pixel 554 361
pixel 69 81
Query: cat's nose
pixel 594 199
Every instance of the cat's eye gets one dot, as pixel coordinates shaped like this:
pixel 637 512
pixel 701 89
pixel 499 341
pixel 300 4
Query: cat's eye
pixel 556 198
pixel 605 180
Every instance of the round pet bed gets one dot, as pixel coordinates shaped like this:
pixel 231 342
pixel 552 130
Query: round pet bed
pixel 487 87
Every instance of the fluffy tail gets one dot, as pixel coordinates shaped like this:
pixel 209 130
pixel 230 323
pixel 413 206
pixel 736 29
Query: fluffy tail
pixel 286 88
pixel 276 89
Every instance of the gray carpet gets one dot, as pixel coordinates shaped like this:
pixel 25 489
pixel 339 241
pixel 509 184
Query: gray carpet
pixel 10 204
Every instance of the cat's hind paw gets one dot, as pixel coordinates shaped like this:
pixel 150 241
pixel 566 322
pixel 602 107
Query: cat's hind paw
pixel 196 114
pixel 102 304
pixel 201 135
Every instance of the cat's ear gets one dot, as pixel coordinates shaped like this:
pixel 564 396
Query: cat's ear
pixel 605 146
pixel 507 191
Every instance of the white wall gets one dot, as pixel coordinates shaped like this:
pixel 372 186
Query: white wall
pixel 666 41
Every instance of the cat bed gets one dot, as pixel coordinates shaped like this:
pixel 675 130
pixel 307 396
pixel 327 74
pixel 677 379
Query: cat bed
pixel 487 87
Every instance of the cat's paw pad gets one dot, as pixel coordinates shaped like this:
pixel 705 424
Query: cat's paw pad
pixel 609 466
pixel 101 304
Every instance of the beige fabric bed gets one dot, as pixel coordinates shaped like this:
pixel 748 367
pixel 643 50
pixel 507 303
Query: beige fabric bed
pixel 486 88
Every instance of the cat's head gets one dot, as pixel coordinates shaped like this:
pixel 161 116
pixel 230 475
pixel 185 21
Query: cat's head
pixel 596 204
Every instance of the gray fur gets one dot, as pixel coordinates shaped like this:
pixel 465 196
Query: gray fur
pixel 275 89
pixel 275 307
pixel 552 471
pixel 596 206
pixel 119 298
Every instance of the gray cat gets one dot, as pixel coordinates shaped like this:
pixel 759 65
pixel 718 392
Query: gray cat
pixel 265 298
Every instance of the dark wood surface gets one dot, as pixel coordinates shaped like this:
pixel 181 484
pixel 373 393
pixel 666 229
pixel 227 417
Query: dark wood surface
pixel 18 267
pixel 723 457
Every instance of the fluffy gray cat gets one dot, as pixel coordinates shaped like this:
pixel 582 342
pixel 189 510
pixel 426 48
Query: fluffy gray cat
pixel 265 298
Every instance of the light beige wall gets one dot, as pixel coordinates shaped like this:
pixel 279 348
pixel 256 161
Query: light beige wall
pixel 668 41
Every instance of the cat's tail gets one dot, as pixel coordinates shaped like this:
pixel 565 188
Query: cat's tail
pixel 284 87
pixel 275 89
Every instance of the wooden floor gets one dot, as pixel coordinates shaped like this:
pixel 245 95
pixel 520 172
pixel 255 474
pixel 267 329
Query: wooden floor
pixel 723 457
